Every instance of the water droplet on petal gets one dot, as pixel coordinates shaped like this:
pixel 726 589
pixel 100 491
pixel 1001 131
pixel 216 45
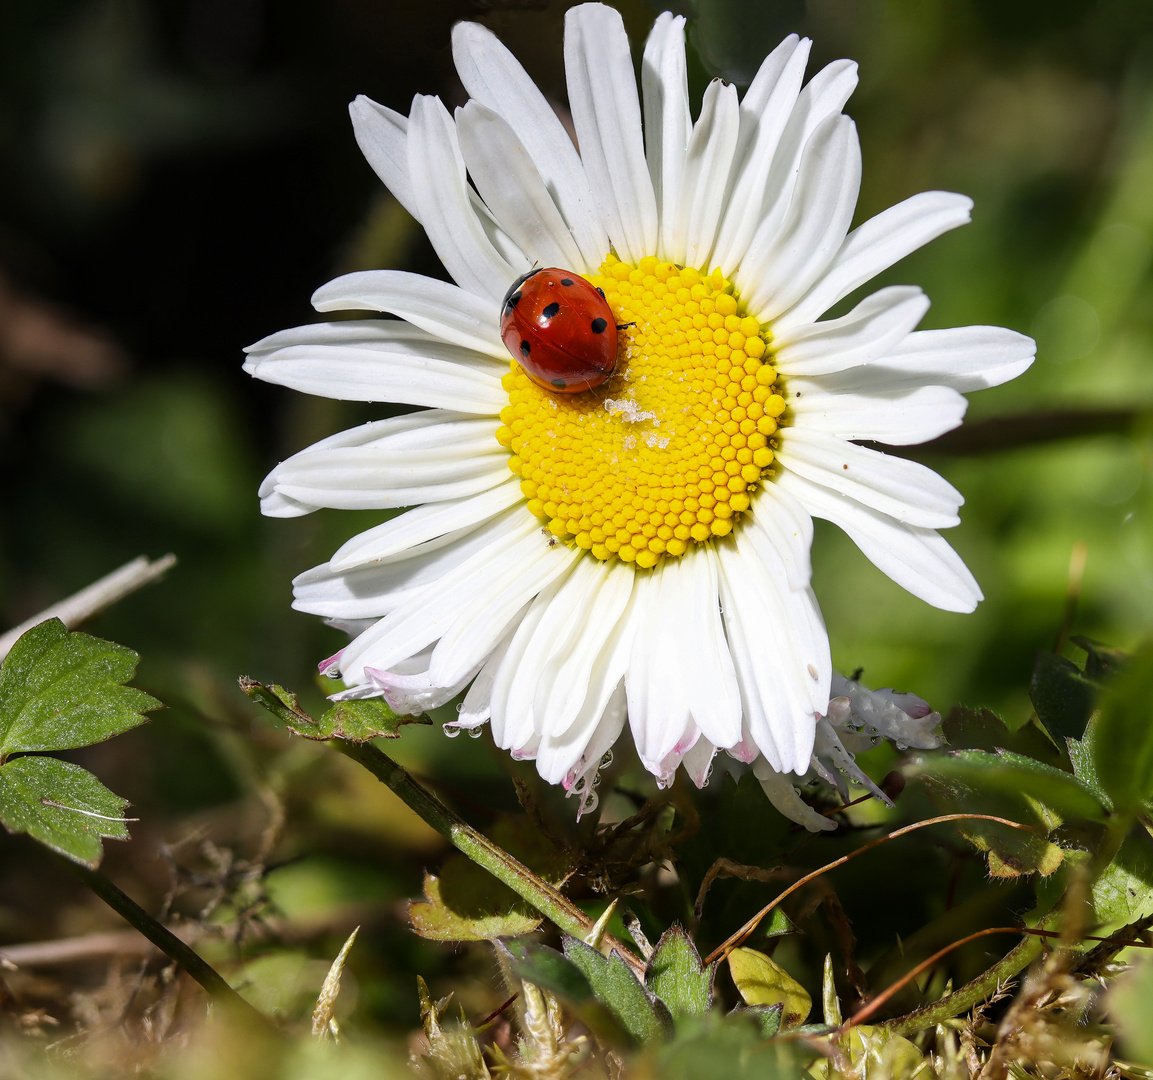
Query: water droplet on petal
pixel 607 760
pixel 475 733
pixel 451 730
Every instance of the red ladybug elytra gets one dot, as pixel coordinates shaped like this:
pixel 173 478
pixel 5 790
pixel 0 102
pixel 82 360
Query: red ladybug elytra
pixel 561 329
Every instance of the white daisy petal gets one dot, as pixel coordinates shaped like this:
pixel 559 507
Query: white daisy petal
pixel 424 524
pixel 602 94
pixel 778 550
pixel 492 76
pixel 442 309
pixel 783 262
pixel 868 333
pixel 658 705
pixel 566 677
pixel 476 708
pixel 513 190
pixel 707 166
pixel 496 583
pixel 440 190
pixel 764 112
pixel 591 672
pixel 820 102
pixel 772 653
pixel 919 560
pixel 668 123
pixel 378 467
pixel 377 589
pixel 905 489
pixel 966 358
pixel 385 361
pixel 711 689
pixel 382 136
pixel 900 419
pixel 875 246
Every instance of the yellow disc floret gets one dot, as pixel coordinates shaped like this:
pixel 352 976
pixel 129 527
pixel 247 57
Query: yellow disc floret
pixel 667 452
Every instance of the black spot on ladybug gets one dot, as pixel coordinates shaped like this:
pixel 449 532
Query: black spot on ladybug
pixel 566 281
pixel 524 348
pixel 560 384
pixel 601 291
pixel 551 311
pixel 599 326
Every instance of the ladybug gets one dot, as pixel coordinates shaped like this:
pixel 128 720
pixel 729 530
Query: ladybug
pixel 560 328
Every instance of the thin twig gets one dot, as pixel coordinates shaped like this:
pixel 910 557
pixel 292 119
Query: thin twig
pixel 164 939
pixel 731 942
pixel 94 598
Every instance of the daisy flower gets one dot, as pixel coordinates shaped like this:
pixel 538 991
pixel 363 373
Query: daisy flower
pixel 638 553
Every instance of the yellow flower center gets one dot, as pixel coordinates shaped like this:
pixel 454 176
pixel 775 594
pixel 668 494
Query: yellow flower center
pixel 669 450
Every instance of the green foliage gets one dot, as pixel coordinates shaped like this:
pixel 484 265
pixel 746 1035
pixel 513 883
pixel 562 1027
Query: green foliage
pixel 1063 695
pixel 1006 773
pixel 466 903
pixel 1129 1006
pixel 354 721
pixel 1123 740
pixel 761 981
pixel 62 805
pixel 617 988
pixel 60 690
pixel 677 977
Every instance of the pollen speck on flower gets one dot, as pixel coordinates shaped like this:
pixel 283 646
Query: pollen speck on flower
pixel 697 366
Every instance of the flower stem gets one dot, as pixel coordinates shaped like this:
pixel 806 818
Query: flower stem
pixel 981 988
pixel 551 903
pixel 165 940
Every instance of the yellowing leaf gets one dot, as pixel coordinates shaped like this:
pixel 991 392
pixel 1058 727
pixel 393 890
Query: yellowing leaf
pixel 762 981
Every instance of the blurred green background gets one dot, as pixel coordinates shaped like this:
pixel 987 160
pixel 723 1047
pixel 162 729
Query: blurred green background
pixel 177 176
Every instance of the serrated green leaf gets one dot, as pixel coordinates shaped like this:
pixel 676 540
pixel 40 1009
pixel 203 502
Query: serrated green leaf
pixel 546 968
pixel 1063 696
pixel 482 920
pixel 1015 774
pixel 677 977
pixel 62 805
pixel 617 988
pixel 60 690
pixel 359 721
pixel 1081 757
pixel 356 721
pixel 768 1018
pixel 1123 740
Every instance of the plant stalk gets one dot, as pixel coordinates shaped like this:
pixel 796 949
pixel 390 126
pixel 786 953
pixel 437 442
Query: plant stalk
pixel 165 940
pixel 551 903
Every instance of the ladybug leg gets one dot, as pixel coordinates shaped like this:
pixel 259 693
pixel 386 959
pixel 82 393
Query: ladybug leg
pixel 625 325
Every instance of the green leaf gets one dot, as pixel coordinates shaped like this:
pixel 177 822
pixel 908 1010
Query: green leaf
pixel 1128 1005
pixel 359 721
pixel 762 981
pixel 677 977
pixel 62 805
pixel 617 988
pixel 1123 740
pixel 1015 774
pixel 1123 891
pixel 60 690
pixel 1084 761
pixel 546 968
pixel 355 721
pixel 1102 661
pixel 483 919
pixel 1063 696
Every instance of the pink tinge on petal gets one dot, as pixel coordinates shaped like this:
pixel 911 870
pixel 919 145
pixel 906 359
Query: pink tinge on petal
pixel 330 668
pixel 744 751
